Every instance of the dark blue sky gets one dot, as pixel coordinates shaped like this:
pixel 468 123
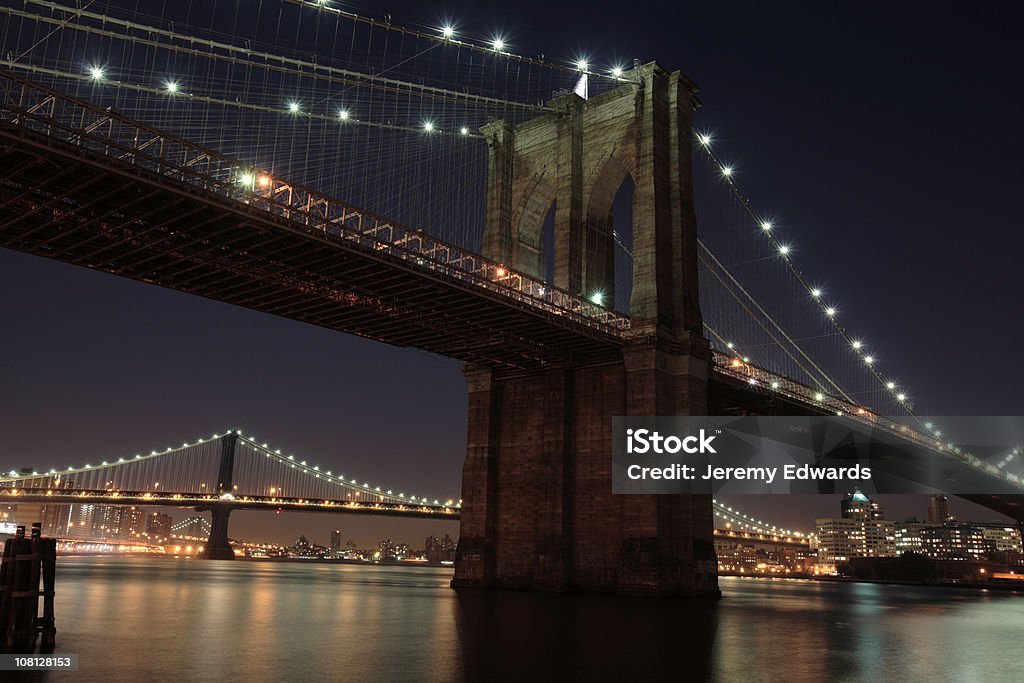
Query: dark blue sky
pixel 884 136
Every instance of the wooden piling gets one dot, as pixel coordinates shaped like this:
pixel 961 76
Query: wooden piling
pixel 26 562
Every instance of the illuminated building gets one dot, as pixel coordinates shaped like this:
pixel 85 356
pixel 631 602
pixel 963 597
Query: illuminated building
pixel 158 525
pixel 132 523
pixel 336 542
pixel 860 532
pixel 909 536
pixel 858 506
pixel 1001 538
pixel 953 542
pixel 57 520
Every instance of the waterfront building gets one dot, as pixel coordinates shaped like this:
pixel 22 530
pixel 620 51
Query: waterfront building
pixel 861 531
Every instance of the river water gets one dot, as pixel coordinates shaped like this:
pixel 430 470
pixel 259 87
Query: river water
pixel 151 619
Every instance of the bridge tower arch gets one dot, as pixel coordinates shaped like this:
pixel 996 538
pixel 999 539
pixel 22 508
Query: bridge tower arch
pixel 537 508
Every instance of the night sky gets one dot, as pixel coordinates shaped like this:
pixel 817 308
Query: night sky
pixel 884 136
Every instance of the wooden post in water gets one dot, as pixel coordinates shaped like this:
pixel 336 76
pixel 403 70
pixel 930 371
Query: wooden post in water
pixel 26 561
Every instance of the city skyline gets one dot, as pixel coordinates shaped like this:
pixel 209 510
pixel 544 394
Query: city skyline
pixel 279 527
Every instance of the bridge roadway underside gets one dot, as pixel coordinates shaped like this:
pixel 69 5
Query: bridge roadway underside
pixel 65 203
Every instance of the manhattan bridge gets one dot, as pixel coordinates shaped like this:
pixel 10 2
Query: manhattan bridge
pixel 565 229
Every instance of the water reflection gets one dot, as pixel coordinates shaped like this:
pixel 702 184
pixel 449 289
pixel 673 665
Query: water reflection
pixel 132 619
pixel 506 635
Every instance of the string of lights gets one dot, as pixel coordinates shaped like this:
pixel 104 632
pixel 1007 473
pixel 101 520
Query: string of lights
pixel 313 471
pixel 816 294
pixel 449 34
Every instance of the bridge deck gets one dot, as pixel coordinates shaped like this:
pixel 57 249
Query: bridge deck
pixel 63 202
pixel 92 188
pixel 201 502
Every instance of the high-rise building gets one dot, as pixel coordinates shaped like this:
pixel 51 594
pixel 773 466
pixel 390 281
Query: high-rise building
pixel 861 531
pixel 440 550
pixel 938 510
pixel 106 522
pixel 83 518
pixel 132 524
pixel 858 506
pixel 336 542
pixel 387 549
pixel 57 520
pixel 158 525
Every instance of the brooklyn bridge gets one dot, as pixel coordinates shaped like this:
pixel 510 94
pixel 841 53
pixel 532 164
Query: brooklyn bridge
pixel 426 191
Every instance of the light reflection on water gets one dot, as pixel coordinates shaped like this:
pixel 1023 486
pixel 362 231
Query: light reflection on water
pixel 148 619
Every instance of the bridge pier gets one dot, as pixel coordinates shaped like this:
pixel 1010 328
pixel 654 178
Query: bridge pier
pixel 218 547
pixel 538 512
pixel 537 505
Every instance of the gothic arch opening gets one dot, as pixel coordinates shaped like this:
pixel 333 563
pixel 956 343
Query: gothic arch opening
pixel 532 251
pixel 622 226
pixel 608 237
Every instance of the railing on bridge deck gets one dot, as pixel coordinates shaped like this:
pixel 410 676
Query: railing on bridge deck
pixel 767 538
pixel 108 133
pixel 759 378
pixel 12 495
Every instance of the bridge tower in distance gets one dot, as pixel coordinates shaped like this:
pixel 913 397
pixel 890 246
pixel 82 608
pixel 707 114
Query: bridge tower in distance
pixel 537 507
pixel 218 547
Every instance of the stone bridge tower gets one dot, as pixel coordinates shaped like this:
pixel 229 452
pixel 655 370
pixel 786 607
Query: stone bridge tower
pixel 538 511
